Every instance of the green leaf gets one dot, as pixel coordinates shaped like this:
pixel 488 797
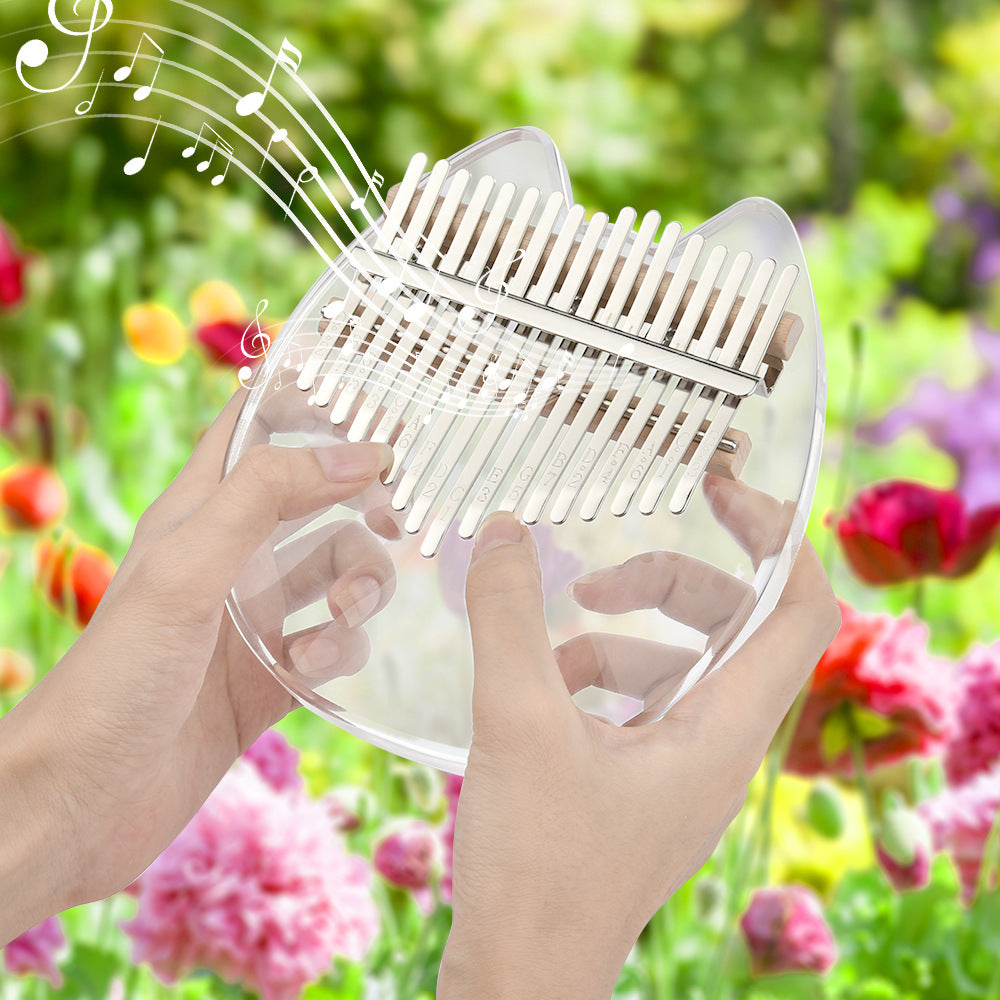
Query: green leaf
pixel 88 973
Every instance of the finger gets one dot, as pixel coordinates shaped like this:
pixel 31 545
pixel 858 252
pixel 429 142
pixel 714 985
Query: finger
pixel 268 485
pixel 688 590
pixel 510 642
pixel 754 689
pixel 622 663
pixel 759 522
pixel 325 652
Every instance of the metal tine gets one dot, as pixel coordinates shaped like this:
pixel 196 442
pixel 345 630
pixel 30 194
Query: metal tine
pixel 610 315
pixel 464 435
pixel 561 300
pixel 665 391
pixel 516 435
pixel 468 426
pixel 672 399
pixel 409 336
pixel 435 429
pixel 656 332
pixel 400 402
pixel 328 340
pixel 573 433
pixel 755 353
pixel 701 403
pixel 355 375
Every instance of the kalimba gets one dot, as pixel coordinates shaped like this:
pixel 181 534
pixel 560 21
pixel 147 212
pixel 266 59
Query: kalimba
pixel 583 373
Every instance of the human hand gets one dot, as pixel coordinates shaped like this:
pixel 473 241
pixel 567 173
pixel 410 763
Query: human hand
pixel 116 748
pixel 571 832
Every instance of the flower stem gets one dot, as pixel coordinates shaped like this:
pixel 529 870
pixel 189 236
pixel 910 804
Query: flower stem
pixel 861 774
pixel 919 597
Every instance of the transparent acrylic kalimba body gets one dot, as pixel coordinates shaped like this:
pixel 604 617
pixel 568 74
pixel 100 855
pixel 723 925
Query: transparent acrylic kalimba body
pixel 532 386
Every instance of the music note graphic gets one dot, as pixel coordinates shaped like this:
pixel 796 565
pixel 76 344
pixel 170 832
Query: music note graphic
pixel 141 93
pixel 377 181
pixel 138 162
pixel 256 347
pixel 289 57
pixel 34 52
pixel 280 136
pixel 217 144
pixel 84 106
pixel 303 179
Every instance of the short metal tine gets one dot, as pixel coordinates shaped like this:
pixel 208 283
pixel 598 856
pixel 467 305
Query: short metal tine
pixel 573 432
pixel 562 300
pixel 672 401
pixel 404 195
pixel 436 429
pixel 473 213
pixel 593 444
pixel 409 337
pixel 381 333
pixel 755 353
pixel 700 402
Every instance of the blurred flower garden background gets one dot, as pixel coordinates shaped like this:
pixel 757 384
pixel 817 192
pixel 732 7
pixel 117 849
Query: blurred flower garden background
pixel 865 863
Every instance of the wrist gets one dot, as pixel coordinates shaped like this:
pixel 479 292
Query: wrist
pixel 40 861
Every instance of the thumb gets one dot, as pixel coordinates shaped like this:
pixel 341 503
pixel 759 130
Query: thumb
pixel 514 663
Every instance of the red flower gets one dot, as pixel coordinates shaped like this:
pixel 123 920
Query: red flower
pixel 896 531
pixel 878 683
pixel 12 266
pixel 73 577
pixel 31 497
pixel 227 342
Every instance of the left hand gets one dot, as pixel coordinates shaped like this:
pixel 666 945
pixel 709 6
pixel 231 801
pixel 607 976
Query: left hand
pixel 115 749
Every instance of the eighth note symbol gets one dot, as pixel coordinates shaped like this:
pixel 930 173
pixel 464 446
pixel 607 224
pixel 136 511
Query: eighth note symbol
pixel 359 200
pixel 289 57
pixel 218 144
pixel 141 93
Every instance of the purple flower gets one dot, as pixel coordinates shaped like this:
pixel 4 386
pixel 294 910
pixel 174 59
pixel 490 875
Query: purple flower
pixel 785 931
pixel 963 422
pixel 559 566
pixel 35 951
pixel 276 761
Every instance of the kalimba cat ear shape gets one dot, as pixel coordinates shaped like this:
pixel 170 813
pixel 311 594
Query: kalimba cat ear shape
pixel 587 374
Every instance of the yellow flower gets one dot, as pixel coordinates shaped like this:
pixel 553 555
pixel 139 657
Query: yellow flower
pixel 154 332
pixel 216 302
pixel 799 852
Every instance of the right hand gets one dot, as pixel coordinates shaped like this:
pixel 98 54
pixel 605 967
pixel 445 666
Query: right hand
pixel 571 832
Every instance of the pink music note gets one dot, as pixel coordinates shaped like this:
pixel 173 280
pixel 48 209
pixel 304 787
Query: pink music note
pixel 289 57
pixel 358 201
pixel 280 136
pixel 84 106
pixel 141 93
pixel 138 162
pixel 217 144
pixel 303 179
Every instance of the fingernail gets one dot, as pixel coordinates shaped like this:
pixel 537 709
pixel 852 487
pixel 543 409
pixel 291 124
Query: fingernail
pixel 501 528
pixel 587 579
pixel 357 602
pixel 315 657
pixel 347 462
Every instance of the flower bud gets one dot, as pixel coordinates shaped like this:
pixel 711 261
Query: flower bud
pixel 904 850
pixel 825 810
pixel 408 854
pixel 785 931
pixel 31 497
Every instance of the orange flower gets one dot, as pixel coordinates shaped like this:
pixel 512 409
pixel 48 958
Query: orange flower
pixel 73 576
pixel 216 302
pixel 31 497
pixel 16 672
pixel 154 332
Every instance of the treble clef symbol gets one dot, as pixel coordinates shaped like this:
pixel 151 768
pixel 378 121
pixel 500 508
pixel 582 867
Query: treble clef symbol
pixel 34 52
pixel 253 345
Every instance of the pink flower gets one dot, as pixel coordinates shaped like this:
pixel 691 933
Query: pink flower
pixel 256 888
pixel 785 931
pixel 975 745
pixel 346 806
pixel 12 267
pixel 876 679
pixel 960 820
pixel 408 854
pixel 227 341
pixel 276 761
pixel 904 850
pixel 35 951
